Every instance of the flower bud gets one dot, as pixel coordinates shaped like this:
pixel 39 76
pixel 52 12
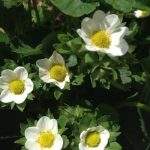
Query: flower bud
pixel 141 13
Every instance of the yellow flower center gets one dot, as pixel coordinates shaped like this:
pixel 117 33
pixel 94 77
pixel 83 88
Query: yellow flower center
pixel 58 72
pixel 101 39
pixel 46 139
pixel 16 86
pixel 92 139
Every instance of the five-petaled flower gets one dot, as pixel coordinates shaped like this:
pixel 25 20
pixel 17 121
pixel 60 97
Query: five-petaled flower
pixel 53 70
pixel 15 85
pixel 104 33
pixel 44 136
pixel 95 138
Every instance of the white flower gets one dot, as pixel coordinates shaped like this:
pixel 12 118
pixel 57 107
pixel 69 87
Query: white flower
pixel 95 138
pixel 44 136
pixel 53 70
pixel 15 85
pixel 141 13
pixel 104 33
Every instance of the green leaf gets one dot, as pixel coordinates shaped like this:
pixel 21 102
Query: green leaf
pixel 63 38
pixel 21 141
pixel 26 50
pixel 72 61
pixel 11 3
pixel 79 79
pixel 142 4
pixel 22 106
pixel 30 97
pixel 12 105
pixel 63 121
pixel 9 64
pixel 121 5
pixel 74 44
pixel 114 146
pixel 65 141
pixel 3 37
pixel 90 58
pixel 125 75
pixel 22 128
pixel 57 94
pixel 75 8
pixel 23 148
pixel 114 135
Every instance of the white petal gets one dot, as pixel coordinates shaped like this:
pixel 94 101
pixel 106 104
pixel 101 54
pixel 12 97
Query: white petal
pixel 28 86
pixel 82 147
pixel 61 85
pixel 31 145
pixel 67 79
pixel 18 99
pixel 45 123
pixel 58 143
pixel 82 135
pixel 92 48
pixel 83 35
pixel 88 26
pixel 119 50
pixel 8 75
pixel 43 63
pixel 99 15
pixel 98 18
pixel 3 83
pixel 32 133
pixel 21 73
pixel 104 139
pixel 119 34
pixel 55 126
pixel 112 21
pixel 6 97
pixel 44 75
pixel 56 58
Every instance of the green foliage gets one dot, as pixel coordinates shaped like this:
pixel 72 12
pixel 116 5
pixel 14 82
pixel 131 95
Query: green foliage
pixel 57 94
pixel 122 5
pixel 10 3
pixel 4 37
pixel 129 5
pixel 114 146
pixel 32 31
pixel 142 4
pixel 75 8
pixel 125 75
pixel 72 61
pixel 78 119
pixel 25 50
pixel 78 79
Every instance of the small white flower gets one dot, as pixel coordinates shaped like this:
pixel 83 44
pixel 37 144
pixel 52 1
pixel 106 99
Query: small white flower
pixel 141 13
pixel 104 33
pixel 15 85
pixel 44 136
pixel 53 70
pixel 95 138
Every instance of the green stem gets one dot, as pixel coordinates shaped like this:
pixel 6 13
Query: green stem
pixel 136 104
pixel 36 10
pixel 143 126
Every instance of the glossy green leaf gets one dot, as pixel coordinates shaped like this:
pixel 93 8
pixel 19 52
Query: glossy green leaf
pixel 75 8
pixel 121 5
